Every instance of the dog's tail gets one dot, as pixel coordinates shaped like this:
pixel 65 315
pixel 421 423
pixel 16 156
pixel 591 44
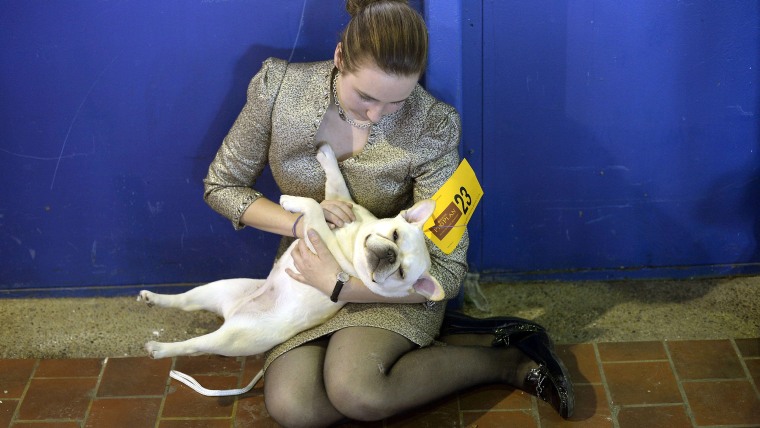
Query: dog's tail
pixel 192 383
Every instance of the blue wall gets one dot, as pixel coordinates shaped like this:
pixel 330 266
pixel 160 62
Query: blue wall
pixel 606 135
pixel 110 114
pixel 620 139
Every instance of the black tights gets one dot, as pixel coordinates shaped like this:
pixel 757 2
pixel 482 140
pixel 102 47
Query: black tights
pixel 367 374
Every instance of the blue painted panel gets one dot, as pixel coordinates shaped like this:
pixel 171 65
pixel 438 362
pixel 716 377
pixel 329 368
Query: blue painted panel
pixel 472 116
pixel 109 116
pixel 606 135
pixel 620 135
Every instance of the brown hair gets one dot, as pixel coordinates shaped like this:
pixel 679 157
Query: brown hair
pixel 387 32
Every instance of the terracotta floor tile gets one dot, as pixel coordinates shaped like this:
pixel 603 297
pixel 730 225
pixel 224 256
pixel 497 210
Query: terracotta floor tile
pixel 209 365
pixel 14 375
pixel 498 419
pixel 88 367
pixel 183 402
pixel 580 361
pixel 416 420
pixel 705 359
pixel 348 424
pixel 134 376
pixel 123 412
pixel 444 412
pixel 749 348
pixel 591 409
pixel 754 369
pixel 654 416
pixel 494 397
pixel 198 423
pixel 723 403
pixel 595 421
pixel 7 408
pixel 252 365
pixel 57 398
pixel 642 383
pixel 252 412
pixel 258 391
pixel 631 351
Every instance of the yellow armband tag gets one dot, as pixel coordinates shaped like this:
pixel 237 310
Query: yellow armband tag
pixel 455 202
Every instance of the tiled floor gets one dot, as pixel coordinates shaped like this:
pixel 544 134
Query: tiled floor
pixel 630 384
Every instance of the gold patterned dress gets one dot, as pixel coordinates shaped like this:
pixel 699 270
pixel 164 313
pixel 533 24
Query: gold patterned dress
pixel 408 156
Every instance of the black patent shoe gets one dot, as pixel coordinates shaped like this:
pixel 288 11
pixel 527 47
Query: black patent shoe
pixel 549 381
pixel 504 329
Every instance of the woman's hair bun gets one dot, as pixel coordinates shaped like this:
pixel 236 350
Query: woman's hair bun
pixel 355 6
pixel 387 33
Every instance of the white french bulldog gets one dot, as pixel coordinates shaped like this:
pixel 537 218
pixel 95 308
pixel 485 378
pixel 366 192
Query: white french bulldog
pixel 388 255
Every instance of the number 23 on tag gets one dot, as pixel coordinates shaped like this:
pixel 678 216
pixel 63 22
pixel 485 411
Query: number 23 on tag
pixel 455 202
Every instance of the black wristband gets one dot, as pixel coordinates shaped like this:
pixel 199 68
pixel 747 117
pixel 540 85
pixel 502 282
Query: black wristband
pixel 336 291
pixel 342 278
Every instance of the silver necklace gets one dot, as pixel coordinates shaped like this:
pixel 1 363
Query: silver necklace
pixel 342 113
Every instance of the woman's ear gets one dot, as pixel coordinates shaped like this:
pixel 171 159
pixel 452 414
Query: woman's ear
pixel 338 57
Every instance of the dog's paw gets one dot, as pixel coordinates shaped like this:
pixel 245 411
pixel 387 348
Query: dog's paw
pixel 296 204
pixel 155 349
pixel 147 297
pixel 290 203
pixel 324 152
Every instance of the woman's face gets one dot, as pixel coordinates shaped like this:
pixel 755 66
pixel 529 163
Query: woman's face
pixel 369 93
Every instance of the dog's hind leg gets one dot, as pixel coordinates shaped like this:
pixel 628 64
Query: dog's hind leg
pixel 229 340
pixel 217 297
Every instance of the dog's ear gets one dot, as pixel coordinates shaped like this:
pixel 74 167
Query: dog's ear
pixel 419 213
pixel 429 287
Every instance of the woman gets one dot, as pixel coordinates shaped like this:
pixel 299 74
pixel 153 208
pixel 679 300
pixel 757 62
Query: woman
pixel 396 145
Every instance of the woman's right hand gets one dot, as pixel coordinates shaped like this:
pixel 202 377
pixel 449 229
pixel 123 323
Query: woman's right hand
pixel 337 213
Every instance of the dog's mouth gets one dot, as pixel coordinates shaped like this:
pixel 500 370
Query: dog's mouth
pixel 382 257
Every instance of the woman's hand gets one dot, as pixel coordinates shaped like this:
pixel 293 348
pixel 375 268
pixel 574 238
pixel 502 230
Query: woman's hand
pixel 337 213
pixel 318 270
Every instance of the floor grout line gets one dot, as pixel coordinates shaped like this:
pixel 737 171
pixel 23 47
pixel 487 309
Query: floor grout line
pixel 17 413
pixel 535 412
pixel 614 409
pixel 195 418
pixel 460 414
pixel 235 404
pixel 95 392
pixel 715 380
pixel 645 405
pixel 44 422
pixel 167 385
pixel 635 361
pixel 747 372
pixel 679 384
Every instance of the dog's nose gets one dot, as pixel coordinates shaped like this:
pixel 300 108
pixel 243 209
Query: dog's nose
pixel 390 256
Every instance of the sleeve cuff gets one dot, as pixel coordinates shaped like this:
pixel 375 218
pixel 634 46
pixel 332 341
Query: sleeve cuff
pixel 247 200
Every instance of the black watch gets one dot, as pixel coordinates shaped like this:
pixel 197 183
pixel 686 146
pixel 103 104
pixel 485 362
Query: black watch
pixel 342 278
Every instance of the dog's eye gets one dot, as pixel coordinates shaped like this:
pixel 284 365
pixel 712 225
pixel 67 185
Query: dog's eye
pixel 395 235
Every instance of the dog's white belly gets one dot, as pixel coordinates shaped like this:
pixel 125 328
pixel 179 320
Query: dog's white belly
pixel 298 306
pixel 285 308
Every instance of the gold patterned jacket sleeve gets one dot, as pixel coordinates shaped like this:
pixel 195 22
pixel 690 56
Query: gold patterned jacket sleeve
pixel 441 138
pixel 243 153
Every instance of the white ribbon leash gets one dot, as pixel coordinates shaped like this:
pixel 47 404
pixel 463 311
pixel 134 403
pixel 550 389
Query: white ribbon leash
pixel 192 383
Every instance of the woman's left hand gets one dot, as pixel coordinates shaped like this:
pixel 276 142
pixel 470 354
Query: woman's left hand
pixel 318 270
pixel 337 213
